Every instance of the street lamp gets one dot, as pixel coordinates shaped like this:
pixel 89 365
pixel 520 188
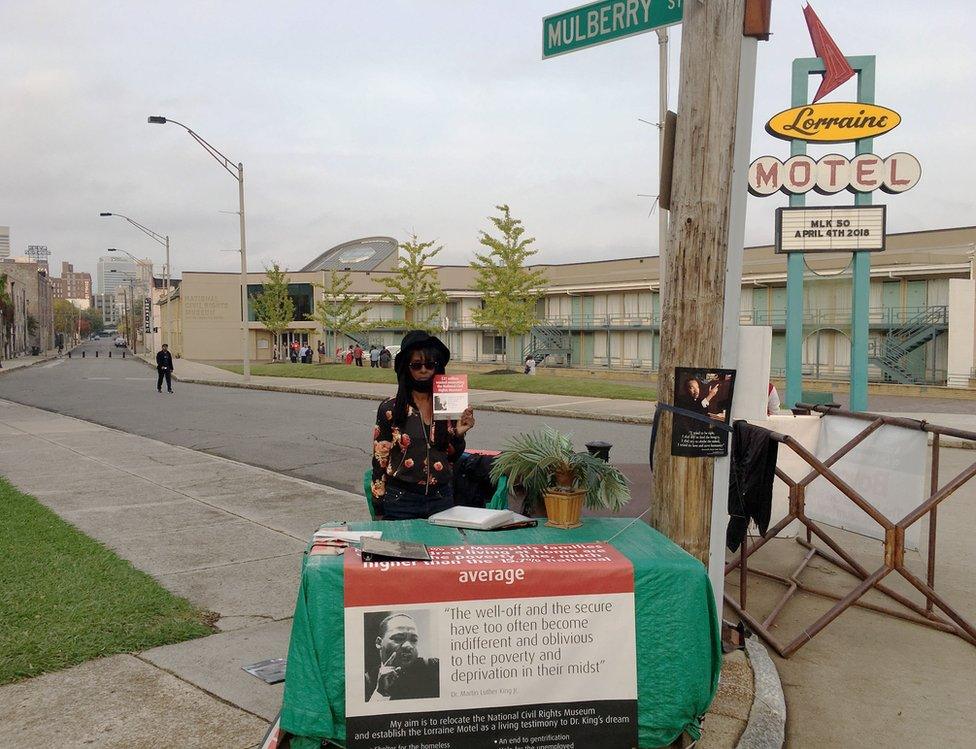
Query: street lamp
pixel 237 172
pixel 130 317
pixel 164 241
pixel 145 344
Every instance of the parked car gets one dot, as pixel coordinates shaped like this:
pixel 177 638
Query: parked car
pixel 119 342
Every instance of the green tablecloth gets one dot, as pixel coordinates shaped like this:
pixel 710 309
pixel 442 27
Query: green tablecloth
pixel 679 653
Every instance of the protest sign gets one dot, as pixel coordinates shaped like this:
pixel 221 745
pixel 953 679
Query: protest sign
pixel 705 396
pixel 492 646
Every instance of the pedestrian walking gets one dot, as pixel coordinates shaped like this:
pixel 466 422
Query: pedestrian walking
pixel 357 354
pixel 385 358
pixel 164 366
pixel 293 352
pixel 275 353
pixel 374 357
pixel 349 355
pixel 321 352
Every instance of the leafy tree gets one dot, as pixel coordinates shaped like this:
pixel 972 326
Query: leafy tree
pixel 415 284
pixel 66 318
pixel 6 313
pixel 338 311
pixel 273 306
pixel 509 290
pixel 94 318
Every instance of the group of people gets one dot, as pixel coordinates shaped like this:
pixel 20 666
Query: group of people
pixel 379 356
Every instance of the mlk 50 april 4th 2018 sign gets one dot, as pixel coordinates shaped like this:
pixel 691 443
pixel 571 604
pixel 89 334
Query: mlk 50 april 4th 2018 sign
pixel 492 646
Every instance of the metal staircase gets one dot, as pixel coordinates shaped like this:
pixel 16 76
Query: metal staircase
pixel 891 353
pixel 545 340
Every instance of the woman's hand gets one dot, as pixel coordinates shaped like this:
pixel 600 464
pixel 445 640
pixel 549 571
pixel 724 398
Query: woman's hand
pixel 466 422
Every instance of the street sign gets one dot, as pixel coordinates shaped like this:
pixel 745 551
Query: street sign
pixel 605 21
pixel 830 229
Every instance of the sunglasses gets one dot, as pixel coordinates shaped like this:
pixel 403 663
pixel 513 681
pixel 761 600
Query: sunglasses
pixel 416 366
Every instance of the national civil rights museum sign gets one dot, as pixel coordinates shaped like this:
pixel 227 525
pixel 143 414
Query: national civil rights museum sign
pixel 830 229
pixel 606 21
pixel 833 122
pixel 833 173
pixel 491 646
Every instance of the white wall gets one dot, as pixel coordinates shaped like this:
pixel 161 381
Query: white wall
pixel 962 314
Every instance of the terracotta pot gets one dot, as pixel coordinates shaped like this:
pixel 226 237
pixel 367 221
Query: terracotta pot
pixel 564 508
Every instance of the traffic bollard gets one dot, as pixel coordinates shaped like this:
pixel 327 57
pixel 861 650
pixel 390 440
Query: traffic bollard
pixel 123 353
pixel 69 354
pixel 82 354
pixel 96 353
pixel 109 354
pixel 600 449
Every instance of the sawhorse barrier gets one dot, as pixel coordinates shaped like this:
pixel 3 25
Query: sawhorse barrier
pixel 935 612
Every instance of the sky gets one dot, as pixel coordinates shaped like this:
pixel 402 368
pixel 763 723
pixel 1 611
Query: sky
pixel 392 117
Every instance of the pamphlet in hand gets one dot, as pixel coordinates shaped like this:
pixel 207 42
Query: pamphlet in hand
pixel 476 518
pixel 450 396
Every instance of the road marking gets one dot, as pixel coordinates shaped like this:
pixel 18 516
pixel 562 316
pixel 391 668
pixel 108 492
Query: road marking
pixel 53 364
pixel 140 379
pixel 98 378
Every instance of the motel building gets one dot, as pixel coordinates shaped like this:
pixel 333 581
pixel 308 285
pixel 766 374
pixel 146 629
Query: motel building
pixel 606 314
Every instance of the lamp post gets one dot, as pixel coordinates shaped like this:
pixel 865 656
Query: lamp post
pixel 145 344
pixel 237 172
pixel 128 305
pixel 164 241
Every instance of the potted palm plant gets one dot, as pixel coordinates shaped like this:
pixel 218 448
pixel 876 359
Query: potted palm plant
pixel 546 464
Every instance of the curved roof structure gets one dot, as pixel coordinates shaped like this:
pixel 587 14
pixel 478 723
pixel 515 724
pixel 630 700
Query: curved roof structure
pixel 370 253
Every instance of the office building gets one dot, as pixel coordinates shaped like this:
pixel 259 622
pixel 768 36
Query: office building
pixel 112 272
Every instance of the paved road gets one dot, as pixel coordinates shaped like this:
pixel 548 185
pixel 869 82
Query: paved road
pixel 317 438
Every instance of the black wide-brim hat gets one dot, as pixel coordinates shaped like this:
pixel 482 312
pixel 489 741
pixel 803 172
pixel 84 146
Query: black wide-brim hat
pixel 416 339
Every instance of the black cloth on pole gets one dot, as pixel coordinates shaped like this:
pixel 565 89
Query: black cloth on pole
pixel 751 473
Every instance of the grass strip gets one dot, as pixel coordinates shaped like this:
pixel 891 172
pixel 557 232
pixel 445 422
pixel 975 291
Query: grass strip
pixel 65 598
pixel 511 383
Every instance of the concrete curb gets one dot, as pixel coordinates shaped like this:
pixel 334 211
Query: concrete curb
pixel 369 396
pixel 8 370
pixel 766 728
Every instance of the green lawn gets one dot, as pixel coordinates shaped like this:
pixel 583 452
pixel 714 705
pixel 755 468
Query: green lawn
pixel 513 383
pixel 65 598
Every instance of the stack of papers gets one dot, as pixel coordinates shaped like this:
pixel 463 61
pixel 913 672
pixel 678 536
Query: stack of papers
pixel 476 518
pixel 343 534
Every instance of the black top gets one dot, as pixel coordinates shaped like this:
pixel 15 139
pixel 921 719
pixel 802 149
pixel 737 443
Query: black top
pixel 164 361
pixel 409 453
pixel 420 679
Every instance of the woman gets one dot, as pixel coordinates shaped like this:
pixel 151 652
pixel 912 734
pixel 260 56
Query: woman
pixel 413 455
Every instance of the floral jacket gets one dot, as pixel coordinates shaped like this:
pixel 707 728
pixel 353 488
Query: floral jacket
pixel 409 453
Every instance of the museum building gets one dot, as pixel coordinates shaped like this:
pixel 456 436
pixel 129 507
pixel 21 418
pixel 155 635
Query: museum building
pixel 606 314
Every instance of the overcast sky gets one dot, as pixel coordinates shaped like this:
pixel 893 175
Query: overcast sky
pixel 386 117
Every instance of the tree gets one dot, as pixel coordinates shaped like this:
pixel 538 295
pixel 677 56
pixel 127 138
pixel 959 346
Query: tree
pixel 338 311
pixel 95 322
pixel 66 318
pixel 415 284
pixel 6 314
pixel 508 289
pixel 273 306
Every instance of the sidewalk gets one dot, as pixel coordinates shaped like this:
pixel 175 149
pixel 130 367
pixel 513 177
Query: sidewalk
pixel 227 536
pixel 9 365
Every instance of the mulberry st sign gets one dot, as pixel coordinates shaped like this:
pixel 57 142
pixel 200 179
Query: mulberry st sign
pixel 606 21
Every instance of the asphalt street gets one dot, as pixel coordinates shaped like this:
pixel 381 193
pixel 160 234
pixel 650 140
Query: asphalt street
pixel 318 438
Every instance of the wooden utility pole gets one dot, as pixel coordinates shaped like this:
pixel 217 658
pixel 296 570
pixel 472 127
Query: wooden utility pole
pixel 697 260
